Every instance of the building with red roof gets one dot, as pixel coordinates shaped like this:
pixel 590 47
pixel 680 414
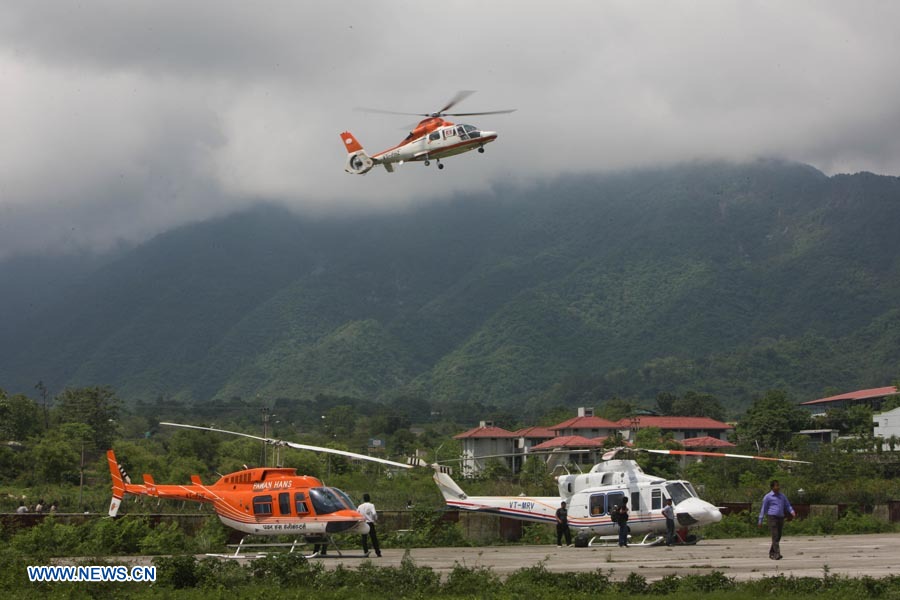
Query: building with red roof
pixel 681 428
pixel 586 425
pixel 705 443
pixel 485 443
pixel 873 398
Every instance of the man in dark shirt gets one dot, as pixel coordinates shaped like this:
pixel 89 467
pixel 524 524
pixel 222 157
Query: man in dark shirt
pixel 622 515
pixel 562 525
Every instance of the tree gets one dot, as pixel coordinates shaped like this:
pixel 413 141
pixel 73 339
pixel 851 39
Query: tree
pixel 770 421
pixel 665 402
pixel 96 407
pixel 616 409
pixel 695 404
pixel 20 417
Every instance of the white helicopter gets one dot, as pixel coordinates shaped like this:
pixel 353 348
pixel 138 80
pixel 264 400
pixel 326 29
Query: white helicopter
pixel 592 497
pixel 433 138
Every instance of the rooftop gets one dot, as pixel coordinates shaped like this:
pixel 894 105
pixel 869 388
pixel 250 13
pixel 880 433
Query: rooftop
pixel 570 441
pixel 857 395
pixel 586 423
pixel 485 432
pixel 706 442
pixel 705 423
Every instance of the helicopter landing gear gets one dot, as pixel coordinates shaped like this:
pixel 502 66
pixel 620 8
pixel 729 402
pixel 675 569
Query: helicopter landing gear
pixel 440 165
pixel 427 162
pixel 481 149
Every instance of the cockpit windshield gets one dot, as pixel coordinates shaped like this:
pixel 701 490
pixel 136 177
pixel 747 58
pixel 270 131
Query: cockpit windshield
pixel 471 131
pixel 677 492
pixel 328 500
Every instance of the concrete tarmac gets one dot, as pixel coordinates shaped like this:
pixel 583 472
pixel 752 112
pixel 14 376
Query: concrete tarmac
pixel 851 555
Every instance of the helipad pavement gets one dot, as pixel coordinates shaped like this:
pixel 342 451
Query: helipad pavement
pixel 875 555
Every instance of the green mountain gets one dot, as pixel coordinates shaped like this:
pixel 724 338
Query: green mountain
pixel 727 279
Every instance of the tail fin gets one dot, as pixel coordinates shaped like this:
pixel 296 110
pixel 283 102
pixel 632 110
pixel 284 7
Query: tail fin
pixel 118 483
pixel 358 162
pixel 448 487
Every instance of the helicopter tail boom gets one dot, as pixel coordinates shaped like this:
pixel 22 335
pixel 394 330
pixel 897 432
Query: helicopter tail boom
pixel 358 162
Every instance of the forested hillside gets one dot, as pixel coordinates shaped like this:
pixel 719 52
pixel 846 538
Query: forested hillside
pixel 717 278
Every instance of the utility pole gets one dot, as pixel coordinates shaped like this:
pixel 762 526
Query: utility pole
pixel 265 420
pixel 43 390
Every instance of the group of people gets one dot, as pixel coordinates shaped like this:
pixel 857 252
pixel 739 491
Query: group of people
pixel 37 508
pixel 619 515
pixel 775 507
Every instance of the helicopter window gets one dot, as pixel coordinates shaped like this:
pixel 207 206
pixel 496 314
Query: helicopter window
pixel 435 136
pixel 635 501
pixel 300 503
pixel 474 133
pixel 691 489
pixel 325 501
pixel 677 492
pixel 614 501
pixel 598 505
pixel 655 499
pixel 347 501
pixel 284 503
pixel 262 505
pixel 461 132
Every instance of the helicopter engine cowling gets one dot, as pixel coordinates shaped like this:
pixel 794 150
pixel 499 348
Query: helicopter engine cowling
pixel 359 163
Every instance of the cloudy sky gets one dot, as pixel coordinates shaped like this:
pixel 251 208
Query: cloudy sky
pixel 119 120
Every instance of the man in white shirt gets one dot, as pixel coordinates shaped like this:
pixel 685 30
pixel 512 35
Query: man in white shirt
pixel 669 513
pixel 367 510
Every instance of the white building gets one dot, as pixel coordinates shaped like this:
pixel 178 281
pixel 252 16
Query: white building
pixel 887 425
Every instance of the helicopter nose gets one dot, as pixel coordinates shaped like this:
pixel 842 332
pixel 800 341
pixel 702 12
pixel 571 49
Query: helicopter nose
pixel 694 511
pixel 491 135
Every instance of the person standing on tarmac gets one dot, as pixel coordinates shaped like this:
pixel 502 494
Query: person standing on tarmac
pixel 775 507
pixel 562 525
pixel 669 513
pixel 622 520
pixel 367 510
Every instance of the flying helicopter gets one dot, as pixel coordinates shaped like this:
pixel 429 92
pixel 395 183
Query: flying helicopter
pixel 592 497
pixel 264 501
pixel 433 138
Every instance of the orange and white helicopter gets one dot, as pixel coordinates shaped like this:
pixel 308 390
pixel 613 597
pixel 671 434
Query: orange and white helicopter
pixel 592 497
pixel 262 501
pixel 433 138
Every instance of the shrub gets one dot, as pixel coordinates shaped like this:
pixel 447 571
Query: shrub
pixel 476 581
pixel 164 539
pixel 178 571
pixel 286 569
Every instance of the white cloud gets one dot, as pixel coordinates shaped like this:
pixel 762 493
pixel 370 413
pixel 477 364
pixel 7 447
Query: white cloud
pixel 120 120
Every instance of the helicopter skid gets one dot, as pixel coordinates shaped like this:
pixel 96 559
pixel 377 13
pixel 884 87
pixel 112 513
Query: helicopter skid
pixel 651 539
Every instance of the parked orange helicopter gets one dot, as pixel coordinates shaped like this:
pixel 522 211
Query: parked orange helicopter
pixel 433 138
pixel 260 501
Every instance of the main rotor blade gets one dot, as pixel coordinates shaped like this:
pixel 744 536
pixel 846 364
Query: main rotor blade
pixel 723 455
pixel 459 97
pixel 490 112
pixel 389 112
pixel 295 445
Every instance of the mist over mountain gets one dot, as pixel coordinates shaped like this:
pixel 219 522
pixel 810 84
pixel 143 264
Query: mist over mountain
pixel 727 279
